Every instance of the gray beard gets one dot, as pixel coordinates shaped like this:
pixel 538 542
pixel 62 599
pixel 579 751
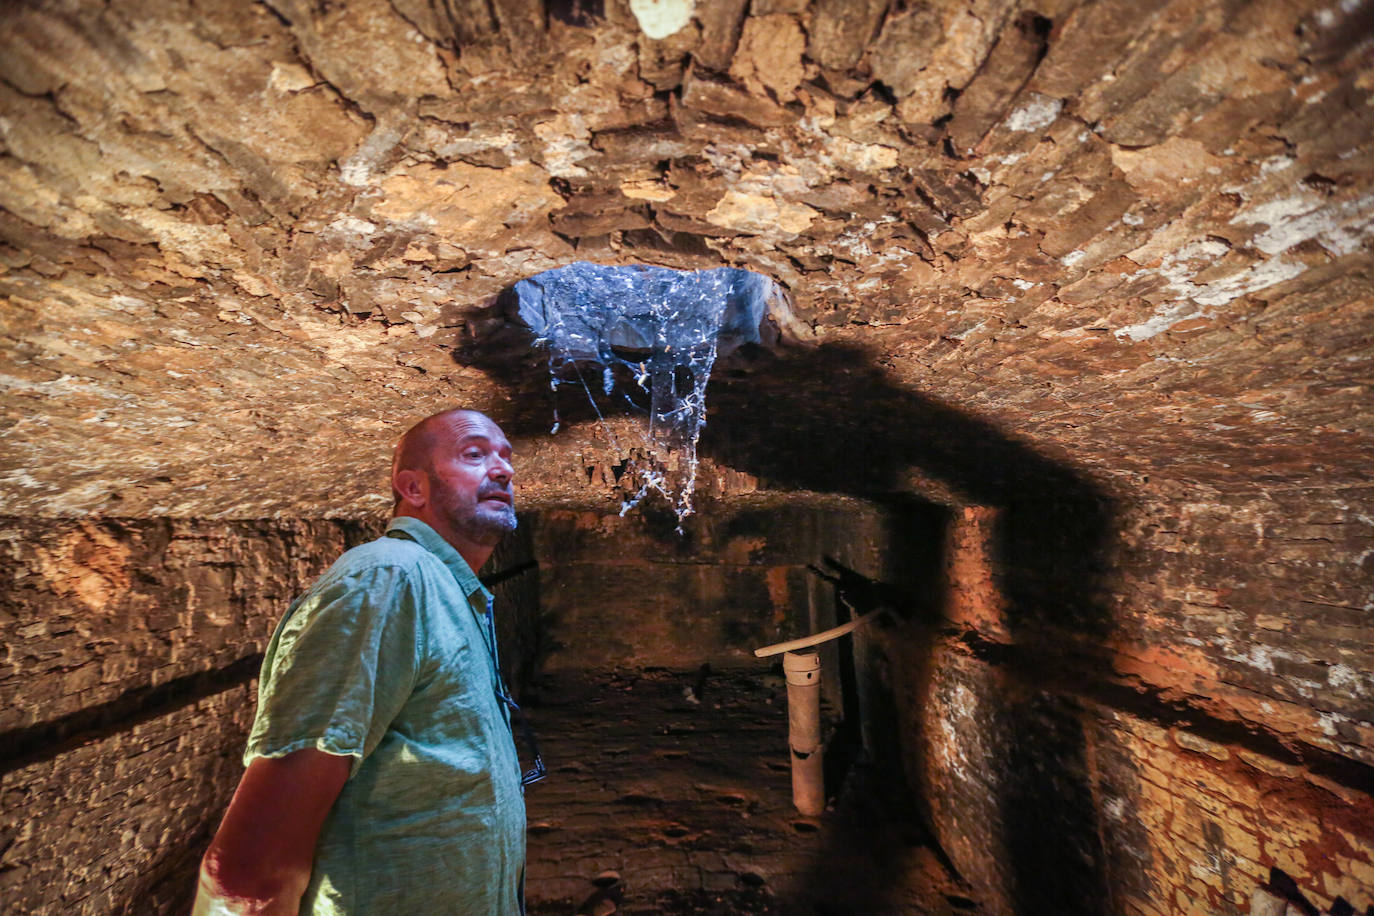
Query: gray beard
pixel 496 523
pixel 482 523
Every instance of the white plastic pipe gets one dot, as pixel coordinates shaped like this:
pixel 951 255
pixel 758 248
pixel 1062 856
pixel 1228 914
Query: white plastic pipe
pixel 803 674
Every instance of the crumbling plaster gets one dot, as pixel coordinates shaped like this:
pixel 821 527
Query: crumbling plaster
pixel 242 242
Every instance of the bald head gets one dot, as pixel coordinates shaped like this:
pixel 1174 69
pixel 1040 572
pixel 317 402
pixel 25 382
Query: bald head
pixel 415 450
pixel 453 472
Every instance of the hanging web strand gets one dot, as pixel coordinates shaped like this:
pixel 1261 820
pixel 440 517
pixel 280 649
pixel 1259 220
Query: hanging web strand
pixel 655 334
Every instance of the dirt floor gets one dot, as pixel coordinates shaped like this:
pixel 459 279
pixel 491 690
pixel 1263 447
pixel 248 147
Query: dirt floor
pixel 669 792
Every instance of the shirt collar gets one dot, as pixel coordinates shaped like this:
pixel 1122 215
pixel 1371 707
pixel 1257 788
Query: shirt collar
pixel 430 540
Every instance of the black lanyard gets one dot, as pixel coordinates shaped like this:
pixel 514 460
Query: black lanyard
pixel 536 772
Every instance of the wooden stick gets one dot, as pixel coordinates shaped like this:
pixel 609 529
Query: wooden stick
pixel 816 639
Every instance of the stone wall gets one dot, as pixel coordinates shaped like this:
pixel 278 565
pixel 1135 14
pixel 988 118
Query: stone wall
pixel 1049 794
pixel 628 591
pixel 1257 604
pixel 1218 726
pixel 132 648
pixel 1157 714
pixel 1097 269
pixel 116 821
pixel 1151 698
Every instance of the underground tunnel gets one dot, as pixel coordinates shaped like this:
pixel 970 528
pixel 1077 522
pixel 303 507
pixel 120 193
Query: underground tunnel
pixel 1042 353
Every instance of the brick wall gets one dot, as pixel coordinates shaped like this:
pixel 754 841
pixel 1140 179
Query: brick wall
pixel 1258 604
pixel 127 688
pixel 97 610
pixel 1153 702
pixel 1215 728
pixel 116 823
pixel 629 591
pixel 126 691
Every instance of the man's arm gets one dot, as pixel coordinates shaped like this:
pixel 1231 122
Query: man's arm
pixel 259 861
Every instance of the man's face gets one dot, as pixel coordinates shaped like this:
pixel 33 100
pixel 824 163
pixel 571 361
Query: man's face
pixel 470 484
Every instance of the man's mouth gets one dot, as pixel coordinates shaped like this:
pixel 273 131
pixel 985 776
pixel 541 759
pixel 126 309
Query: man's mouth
pixel 498 496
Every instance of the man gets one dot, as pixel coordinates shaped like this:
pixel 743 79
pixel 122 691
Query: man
pixel 382 776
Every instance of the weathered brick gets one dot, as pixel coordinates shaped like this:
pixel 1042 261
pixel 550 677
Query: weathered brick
pixel 1269 764
pixel 1189 741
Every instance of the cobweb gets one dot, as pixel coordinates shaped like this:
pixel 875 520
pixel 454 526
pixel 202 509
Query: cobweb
pixel 644 339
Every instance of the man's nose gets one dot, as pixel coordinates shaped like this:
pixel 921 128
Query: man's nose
pixel 500 469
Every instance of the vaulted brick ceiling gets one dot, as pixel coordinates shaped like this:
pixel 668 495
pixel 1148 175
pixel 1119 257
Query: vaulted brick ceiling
pixel 243 244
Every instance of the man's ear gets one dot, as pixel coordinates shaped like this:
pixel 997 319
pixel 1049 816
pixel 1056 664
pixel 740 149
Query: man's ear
pixel 413 485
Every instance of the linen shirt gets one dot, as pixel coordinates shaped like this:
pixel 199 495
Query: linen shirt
pixel 390 658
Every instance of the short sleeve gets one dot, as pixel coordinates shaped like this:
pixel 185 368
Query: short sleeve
pixel 339 668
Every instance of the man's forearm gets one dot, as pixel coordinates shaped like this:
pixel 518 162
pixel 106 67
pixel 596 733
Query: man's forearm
pixel 265 899
pixel 260 859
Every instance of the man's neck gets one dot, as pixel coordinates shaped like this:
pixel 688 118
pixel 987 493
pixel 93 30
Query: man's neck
pixel 473 553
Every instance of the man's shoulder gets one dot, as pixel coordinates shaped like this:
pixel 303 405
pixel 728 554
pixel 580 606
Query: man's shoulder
pixel 385 553
pixel 384 569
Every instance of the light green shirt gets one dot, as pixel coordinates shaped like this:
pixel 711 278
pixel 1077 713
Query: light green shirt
pixel 390 658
